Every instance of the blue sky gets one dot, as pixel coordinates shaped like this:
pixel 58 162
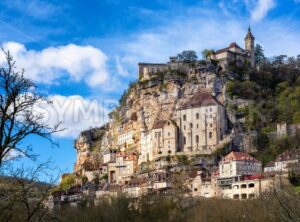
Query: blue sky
pixel 82 56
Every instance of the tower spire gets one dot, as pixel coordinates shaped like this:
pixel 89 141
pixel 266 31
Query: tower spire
pixel 249 45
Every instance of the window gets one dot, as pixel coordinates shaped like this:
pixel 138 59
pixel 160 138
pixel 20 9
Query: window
pixel 251 185
pixel 211 125
pixel 169 133
pixel 197 115
pixel 197 139
pixel 243 186
pixel 244 196
pixel 251 196
pixel 236 196
pixel 191 125
pixel 195 189
pixel 184 140
pixel 184 127
pixel 197 126
pixel 210 135
pixel 184 117
pixel 210 109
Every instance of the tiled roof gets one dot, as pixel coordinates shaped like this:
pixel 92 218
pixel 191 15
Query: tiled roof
pixel 200 99
pixel 159 124
pixel 289 155
pixel 270 164
pixel 240 156
pixel 232 45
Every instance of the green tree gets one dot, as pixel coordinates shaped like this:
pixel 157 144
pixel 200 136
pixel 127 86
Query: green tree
pixel 296 117
pixel 67 182
pixel 206 53
pixel 259 54
pixel 187 56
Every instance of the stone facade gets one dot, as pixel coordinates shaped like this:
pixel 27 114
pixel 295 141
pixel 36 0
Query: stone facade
pixel 161 140
pixel 125 167
pixel 125 138
pixel 202 124
pixel 235 53
pixel 284 129
pixel 239 164
pixel 146 70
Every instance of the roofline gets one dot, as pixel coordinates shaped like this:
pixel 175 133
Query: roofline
pixel 162 64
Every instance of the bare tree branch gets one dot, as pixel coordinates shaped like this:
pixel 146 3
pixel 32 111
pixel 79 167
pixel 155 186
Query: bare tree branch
pixel 18 96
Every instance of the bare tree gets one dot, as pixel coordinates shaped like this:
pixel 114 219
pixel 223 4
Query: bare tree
pixel 18 95
pixel 23 196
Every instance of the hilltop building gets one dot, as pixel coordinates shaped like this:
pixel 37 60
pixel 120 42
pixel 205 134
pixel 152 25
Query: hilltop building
pixel 223 56
pixel 235 53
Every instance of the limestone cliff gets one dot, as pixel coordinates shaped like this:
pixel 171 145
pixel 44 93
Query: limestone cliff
pixel 141 105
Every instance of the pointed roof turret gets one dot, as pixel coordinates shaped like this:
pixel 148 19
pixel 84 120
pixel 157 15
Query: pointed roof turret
pixel 249 34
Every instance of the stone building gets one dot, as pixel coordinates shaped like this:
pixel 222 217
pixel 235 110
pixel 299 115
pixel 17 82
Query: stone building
pixel 161 140
pixel 284 129
pixel 287 160
pixel 165 137
pixel 235 53
pixel 202 124
pixel 125 167
pixel 126 138
pixel 147 152
pixel 239 164
pixel 146 70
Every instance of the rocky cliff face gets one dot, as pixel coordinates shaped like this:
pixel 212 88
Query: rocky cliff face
pixel 143 104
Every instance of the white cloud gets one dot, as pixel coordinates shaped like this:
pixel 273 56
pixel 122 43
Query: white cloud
pixel 120 68
pixel 75 113
pixel 34 8
pixel 195 33
pixel 207 29
pixel 50 64
pixel 261 10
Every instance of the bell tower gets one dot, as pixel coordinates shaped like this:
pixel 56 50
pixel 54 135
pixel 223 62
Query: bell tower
pixel 249 46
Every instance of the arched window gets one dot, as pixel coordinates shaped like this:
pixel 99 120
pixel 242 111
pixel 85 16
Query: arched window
pixel 197 139
pixel 210 135
pixel 197 115
pixel 184 117
pixel 184 140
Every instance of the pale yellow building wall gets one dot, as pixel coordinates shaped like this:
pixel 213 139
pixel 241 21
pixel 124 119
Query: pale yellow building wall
pixel 202 127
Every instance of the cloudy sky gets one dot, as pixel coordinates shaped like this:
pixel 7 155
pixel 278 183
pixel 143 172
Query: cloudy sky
pixel 82 56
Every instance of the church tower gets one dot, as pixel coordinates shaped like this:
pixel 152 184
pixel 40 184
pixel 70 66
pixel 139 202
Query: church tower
pixel 249 46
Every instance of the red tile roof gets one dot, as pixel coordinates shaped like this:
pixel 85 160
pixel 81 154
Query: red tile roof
pixel 240 156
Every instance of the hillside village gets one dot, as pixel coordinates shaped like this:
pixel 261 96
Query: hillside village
pixel 174 132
